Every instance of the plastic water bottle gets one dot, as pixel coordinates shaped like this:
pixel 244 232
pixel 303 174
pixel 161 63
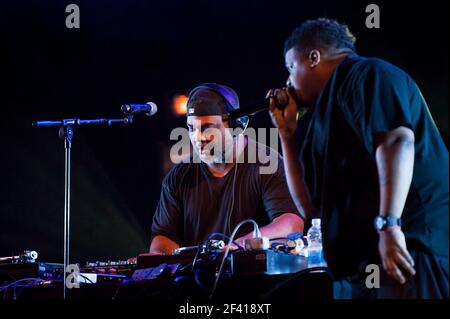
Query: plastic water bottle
pixel 314 237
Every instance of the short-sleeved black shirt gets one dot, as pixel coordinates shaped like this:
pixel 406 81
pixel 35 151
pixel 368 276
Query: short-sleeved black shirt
pixel 194 203
pixel 363 97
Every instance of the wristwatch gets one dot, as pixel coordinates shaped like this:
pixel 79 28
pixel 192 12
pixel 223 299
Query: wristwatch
pixel 382 222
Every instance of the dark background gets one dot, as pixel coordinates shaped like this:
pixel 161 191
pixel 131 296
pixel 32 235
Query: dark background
pixel 136 51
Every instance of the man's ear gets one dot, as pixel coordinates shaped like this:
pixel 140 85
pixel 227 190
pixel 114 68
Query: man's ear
pixel 314 58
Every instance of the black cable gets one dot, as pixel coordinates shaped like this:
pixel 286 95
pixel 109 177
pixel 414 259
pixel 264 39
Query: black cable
pixel 22 287
pixel 225 255
pixel 118 289
pixel 197 254
pixel 212 258
pixel 15 284
pixel 86 278
pixel 197 279
pixel 278 238
pixel 199 248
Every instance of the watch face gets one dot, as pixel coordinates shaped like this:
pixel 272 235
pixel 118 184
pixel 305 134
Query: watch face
pixel 379 222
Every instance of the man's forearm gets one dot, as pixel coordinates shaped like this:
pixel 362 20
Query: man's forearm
pixel 395 163
pixel 161 245
pixel 294 176
pixel 280 227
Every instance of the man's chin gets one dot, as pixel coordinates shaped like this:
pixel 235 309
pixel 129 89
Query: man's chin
pixel 208 159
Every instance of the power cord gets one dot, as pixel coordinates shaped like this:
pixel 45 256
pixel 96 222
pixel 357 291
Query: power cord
pixel 225 255
pixel 199 248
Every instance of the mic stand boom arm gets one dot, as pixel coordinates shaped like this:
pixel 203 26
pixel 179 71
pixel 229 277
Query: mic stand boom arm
pixel 66 131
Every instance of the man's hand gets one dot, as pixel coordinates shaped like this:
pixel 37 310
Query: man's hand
pixel 280 226
pixel 132 260
pixel 240 242
pixel 286 119
pixel 394 255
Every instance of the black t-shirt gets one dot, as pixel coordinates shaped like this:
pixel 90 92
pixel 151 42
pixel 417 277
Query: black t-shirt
pixel 363 97
pixel 194 203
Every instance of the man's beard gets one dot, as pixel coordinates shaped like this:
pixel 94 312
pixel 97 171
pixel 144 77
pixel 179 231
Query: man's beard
pixel 215 155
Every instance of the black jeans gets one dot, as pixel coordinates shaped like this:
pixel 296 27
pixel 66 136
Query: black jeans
pixel 429 282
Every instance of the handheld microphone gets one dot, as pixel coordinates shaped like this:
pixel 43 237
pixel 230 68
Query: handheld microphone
pixel 148 109
pixel 257 107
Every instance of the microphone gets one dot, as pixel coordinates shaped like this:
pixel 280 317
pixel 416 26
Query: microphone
pixel 258 106
pixel 148 109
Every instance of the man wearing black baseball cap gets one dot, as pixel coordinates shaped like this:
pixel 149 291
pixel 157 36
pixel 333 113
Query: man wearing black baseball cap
pixel 224 188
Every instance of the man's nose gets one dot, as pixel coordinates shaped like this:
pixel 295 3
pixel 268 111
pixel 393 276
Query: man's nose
pixel 200 136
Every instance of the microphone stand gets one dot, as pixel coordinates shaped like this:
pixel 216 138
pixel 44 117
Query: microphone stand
pixel 65 132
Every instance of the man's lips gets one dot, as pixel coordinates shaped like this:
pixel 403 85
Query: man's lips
pixel 205 148
pixel 202 146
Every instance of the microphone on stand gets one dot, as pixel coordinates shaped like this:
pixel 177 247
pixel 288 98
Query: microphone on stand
pixel 148 109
